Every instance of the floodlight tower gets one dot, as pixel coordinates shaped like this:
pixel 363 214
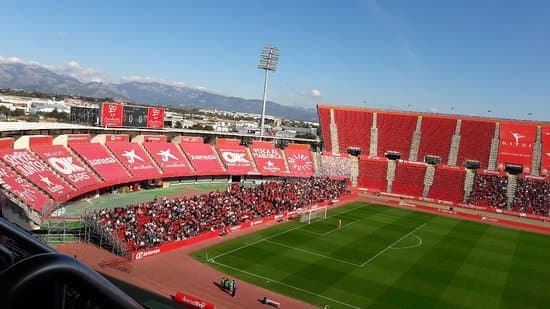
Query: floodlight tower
pixel 269 59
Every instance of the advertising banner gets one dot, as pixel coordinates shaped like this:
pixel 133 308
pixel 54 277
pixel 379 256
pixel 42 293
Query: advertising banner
pixel 155 119
pixel 111 115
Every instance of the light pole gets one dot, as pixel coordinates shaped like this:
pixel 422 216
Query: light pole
pixel 269 59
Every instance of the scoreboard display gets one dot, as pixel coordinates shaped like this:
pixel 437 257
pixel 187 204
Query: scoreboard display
pixel 86 115
pixel 134 116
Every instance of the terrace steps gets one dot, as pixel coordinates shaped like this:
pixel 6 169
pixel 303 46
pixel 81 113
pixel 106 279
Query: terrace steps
pixel 416 138
pixel 373 149
pixel 249 153
pixel 493 155
pixel 537 153
pixel 511 190
pixel 390 174
pixel 468 183
pixel 455 144
pixel 215 152
pixel 428 180
pixel 334 134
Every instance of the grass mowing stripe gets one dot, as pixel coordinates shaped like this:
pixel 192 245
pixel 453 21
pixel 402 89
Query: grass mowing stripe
pixel 312 253
pixel 287 285
pixel 388 247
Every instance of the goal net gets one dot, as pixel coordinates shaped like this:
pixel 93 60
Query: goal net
pixel 310 215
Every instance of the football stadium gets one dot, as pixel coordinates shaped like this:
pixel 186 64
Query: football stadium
pixel 255 155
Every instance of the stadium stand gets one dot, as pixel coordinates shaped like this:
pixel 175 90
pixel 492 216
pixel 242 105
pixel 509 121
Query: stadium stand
pixel 448 184
pixel 23 190
pixel 135 159
pixel 545 161
pixel 269 159
pixel 353 128
pixel 153 223
pixel 475 141
pixel 335 166
pixel 436 137
pixel 532 196
pixel 409 178
pixel 372 173
pixel 395 133
pixel 68 166
pixel 37 172
pixel 324 119
pixel 300 160
pixel 235 157
pixel 203 158
pixel 169 158
pixel 489 189
pixel 102 162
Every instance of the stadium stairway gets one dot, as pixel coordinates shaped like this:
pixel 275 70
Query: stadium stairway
pixel 373 150
pixel 455 144
pixel 185 158
pixel 82 163
pixel 493 155
pixel 254 162
pixel 468 183
pixel 283 154
pixel 537 154
pixel 126 169
pixel 428 179
pixel 334 133
pixel 390 175
pixel 511 190
pixel 215 151
pixel 354 170
pixel 416 137
pixel 152 159
pixel 316 156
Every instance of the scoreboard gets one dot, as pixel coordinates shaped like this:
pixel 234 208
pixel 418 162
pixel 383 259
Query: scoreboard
pixel 86 115
pixel 134 116
pixel 118 115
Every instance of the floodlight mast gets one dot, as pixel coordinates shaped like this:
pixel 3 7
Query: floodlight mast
pixel 269 60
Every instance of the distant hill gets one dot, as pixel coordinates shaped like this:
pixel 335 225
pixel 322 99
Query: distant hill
pixel 39 78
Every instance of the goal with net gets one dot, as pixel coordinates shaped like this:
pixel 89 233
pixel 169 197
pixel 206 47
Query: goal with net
pixel 318 213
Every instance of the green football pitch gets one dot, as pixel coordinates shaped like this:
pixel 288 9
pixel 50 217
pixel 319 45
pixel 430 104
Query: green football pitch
pixel 386 257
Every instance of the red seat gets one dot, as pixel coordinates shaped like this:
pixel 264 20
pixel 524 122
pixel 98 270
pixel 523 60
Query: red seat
pixel 409 179
pixel 448 184
pixel 372 173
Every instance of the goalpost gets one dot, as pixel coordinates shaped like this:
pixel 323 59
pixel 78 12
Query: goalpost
pixel 308 215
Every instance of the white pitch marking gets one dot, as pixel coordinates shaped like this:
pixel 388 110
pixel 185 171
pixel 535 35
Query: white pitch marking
pixel 412 246
pixel 312 253
pixel 388 247
pixel 287 285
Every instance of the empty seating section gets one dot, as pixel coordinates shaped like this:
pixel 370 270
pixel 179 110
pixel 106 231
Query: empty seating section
pixel 236 159
pixel 409 178
pixel 436 137
pixel 135 159
pixel 324 119
pixel 532 196
pixel 448 184
pixel 66 165
pixel 475 141
pixel 22 189
pixel 516 145
pixel 489 190
pixel 395 133
pixel 300 162
pixel 545 155
pixel 372 174
pixel 38 172
pixel 169 158
pixel 353 129
pixel 102 162
pixel 203 158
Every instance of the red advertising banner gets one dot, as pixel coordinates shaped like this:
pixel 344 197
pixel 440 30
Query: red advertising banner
pixel 168 158
pixel 192 301
pixel 192 139
pixel 155 118
pixel 78 138
pixel 38 172
pixel 269 161
pixel 102 162
pixel 111 115
pixel 154 138
pixel 21 188
pixel 59 158
pixel 109 138
pixel 545 156
pixel 134 157
pixel 202 157
pixel 236 159
pixel 300 162
pixel 516 145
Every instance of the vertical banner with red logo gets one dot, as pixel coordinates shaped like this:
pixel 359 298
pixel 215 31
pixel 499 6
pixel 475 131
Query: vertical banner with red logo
pixel 516 144
pixel 111 115
pixel 155 118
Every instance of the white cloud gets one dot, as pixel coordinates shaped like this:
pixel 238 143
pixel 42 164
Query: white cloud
pixel 315 93
pixel 85 74
pixel 148 79
pixel 433 109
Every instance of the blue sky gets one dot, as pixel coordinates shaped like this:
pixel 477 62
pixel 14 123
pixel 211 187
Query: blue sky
pixel 421 55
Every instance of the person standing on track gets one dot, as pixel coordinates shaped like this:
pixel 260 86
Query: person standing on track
pixel 233 288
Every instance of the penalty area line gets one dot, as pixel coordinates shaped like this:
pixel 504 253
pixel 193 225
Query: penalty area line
pixel 389 247
pixel 287 285
pixel 313 253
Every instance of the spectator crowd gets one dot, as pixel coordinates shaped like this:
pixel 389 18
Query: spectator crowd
pixel 164 220
pixel 532 196
pixel 489 190
pixel 332 166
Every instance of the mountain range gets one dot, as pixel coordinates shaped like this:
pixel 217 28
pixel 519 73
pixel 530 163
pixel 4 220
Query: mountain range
pixel 39 78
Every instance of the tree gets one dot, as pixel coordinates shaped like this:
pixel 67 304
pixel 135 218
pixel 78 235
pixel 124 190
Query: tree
pixel 307 135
